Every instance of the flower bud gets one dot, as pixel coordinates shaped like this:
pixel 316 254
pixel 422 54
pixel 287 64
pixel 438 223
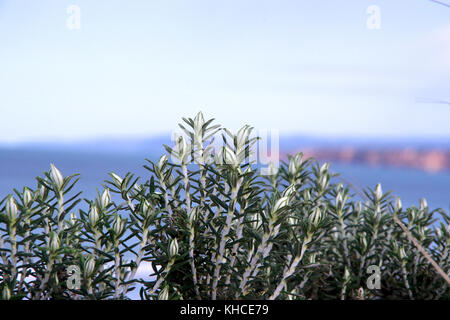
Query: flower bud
pixel 173 248
pixel 292 167
pixel 315 217
pixel 118 226
pixel 199 121
pixel 338 200
pixel 182 149
pixel 89 266
pixel 398 204
pixel 423 204
pixel 27 197
pixel 229 157
pixel 438 233
pixel 93 216
pixel 144 209
pixel 106 198
pixel 54 242
pixel 11 209
pixel 323 181
pixel 164 294
pixel 6 293
pixel 42 192
pixel 56 177
pixel 298 159
pixel 378 192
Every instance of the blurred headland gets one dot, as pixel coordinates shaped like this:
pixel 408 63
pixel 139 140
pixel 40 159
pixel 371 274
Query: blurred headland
pixel 428 154
pixel 431 160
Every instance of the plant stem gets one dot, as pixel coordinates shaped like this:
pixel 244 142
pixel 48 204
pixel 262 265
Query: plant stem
pixel 223 240
pixel 288 272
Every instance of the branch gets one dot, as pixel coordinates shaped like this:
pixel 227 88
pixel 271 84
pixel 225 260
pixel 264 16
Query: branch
pixel 421 249
pixel 439 2
pixel 427 100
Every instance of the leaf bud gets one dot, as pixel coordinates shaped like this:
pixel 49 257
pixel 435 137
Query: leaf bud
pixel 11 209
pixel 54 242
pixel 27 197
pixel 89 266
pixel 164 294
pixel 56 177
pixel 173 248
pixel 118 226
pixel 93 216
pixel 6 293
pixel 378 192
pixel 106 198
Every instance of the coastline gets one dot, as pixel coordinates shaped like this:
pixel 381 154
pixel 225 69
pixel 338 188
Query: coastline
pixel 429 160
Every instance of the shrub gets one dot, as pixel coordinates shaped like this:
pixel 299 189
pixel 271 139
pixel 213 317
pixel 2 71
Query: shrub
pixel 218 230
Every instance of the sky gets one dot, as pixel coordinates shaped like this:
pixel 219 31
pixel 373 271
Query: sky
pixel 134 68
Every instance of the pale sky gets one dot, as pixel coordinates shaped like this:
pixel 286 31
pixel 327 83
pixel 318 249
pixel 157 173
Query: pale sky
pixel 134 68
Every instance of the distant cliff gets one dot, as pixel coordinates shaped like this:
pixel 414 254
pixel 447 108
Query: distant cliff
pixel 432 160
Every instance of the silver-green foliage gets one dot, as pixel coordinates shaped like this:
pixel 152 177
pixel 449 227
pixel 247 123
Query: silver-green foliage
pixel 213 228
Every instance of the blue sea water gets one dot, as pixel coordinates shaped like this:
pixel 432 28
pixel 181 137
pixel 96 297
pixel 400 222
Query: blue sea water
pixel 19 167
pixel 409 184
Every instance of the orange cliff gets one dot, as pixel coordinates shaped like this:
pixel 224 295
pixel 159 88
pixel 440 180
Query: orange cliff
pixel 431 160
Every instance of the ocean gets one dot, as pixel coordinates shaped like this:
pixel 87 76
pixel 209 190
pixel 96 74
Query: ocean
pixel 19 167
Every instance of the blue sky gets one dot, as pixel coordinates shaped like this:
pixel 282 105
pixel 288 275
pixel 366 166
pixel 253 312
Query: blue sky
pixel 134 68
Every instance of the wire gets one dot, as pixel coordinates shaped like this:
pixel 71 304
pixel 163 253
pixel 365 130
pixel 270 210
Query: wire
pixel 439 2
